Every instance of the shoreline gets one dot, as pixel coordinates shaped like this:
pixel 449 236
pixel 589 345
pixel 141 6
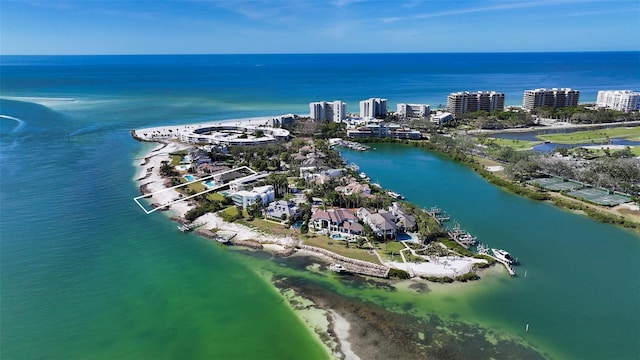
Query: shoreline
pixel 331 325
pixel 554 127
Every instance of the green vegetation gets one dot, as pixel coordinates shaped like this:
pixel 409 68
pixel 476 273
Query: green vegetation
pixel 489 263
pixel 470 276
pixel 176 157
pixel 583 114
pixel 206 205
pixel 400 274
pixel 456 247
pixel 231 214
pixel 594 136
pixel 438 279
pixel 339 248
pixel 515 144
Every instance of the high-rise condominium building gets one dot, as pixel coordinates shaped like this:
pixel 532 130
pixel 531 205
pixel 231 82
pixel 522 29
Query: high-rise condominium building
pixel 374 107
pixel 414 110
pixel 328 110
pixel 621 100
pixel 465 102
pixel 553 98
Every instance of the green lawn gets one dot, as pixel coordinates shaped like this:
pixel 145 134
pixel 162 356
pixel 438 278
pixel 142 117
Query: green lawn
pixel 635 150
pixel 338 247
pixel 516 144
pixel 215 196
pixel 601 135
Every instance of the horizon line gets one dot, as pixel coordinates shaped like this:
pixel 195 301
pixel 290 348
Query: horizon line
pixel 337 53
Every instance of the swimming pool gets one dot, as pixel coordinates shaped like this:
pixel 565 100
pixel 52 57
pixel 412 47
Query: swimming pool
pixel 297 224
pixel 189 177
pixel 210 183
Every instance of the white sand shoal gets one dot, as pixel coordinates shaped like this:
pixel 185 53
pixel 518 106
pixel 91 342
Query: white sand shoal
pixel 341 328
pixel 442 266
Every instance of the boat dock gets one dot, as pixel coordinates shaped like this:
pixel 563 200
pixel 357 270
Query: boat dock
pixel 349 144
pixel 485 251
pixel 189 227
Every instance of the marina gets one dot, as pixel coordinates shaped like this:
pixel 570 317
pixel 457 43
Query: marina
pixel 349 144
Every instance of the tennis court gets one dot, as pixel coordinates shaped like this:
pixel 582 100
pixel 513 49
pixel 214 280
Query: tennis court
pixel 555 184
pixel 600 197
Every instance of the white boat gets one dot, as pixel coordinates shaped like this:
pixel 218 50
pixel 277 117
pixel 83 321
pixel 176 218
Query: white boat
pixel 395 195
pixel 468 239
pixel 503 255
pixel 337 268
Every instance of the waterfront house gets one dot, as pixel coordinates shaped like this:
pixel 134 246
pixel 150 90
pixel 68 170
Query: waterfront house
pixel 279 208
pixel 355 187
pixel 338 220
pixel 404 221
pixel 246 182
pixel 199 157
pixel 383 223
pixel 207 168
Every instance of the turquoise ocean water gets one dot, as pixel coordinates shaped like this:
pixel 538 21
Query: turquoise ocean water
pixel 85 274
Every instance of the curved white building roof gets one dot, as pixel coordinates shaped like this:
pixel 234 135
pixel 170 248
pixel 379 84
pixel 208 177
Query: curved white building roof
pixel 215 133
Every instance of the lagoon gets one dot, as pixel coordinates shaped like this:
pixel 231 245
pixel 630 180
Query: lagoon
pixel 580 297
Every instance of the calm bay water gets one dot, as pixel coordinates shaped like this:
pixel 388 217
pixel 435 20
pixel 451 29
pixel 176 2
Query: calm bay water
pixel 84 273
pixel 580 295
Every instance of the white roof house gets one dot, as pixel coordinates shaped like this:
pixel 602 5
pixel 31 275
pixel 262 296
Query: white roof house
pixel 278 208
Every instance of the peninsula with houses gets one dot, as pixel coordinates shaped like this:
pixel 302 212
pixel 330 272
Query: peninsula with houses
pixel 280 184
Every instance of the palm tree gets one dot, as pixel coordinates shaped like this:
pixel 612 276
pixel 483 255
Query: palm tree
pixel 279 182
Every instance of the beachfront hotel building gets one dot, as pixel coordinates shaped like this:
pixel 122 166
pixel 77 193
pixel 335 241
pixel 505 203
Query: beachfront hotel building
pixel 328 110
pixel 414 110
pixel 373 108
pixel 465 102
pixel 554 98
pixel 621 100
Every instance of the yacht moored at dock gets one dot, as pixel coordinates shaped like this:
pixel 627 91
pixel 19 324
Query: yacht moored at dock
pixel 504 256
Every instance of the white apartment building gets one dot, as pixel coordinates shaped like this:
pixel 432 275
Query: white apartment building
pixel 441 117
pixel 374 107
pixel 465 102
pixel 553 98
pixel 621 100
pixel 328 110
pixel 414 110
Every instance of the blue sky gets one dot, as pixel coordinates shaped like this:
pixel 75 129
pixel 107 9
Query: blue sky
pixel 315 26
